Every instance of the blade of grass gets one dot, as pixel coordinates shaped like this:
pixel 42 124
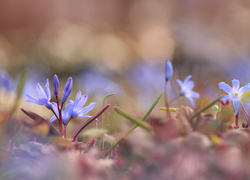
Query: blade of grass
pixel 135 126
pixel 112 120
pixel 19 91
pixel 219 105
pixel 204 109
pixel 103 103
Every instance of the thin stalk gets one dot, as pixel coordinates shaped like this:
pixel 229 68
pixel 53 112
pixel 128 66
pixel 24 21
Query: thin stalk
pixel 174 98
pixel 166 101
pixel 135 126
pixel 103 103
pixel 237 121
pixel 112 120
pixel 60 117
pixel 204 109
pixel 65 131
pixel 219 105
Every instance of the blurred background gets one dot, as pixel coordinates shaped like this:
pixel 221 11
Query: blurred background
pixel 121 46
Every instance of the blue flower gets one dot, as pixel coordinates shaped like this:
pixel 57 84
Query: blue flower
pixel 168 71
pixel 74 108
pixel 186 89
pixel 44 98
pixel 234 93
pixel 67 89
pixel 55 85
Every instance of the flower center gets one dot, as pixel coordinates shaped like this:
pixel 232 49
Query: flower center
pixel 236 94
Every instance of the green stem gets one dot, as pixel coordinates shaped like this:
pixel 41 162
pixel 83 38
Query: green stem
pixel 204 109
pixel 103 103
pixel 135 126
pixel 219 105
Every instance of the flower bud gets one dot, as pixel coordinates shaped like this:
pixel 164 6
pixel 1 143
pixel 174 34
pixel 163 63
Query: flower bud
pixel 168 71
pixel 55 85
pixel 67 89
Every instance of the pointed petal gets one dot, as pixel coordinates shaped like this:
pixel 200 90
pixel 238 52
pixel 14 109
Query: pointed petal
pixel 33 100
pixel 180 83
pixel 236 105
pixel 225 87
pixel 40 91
pixel 55 108
pixel 224 98
pixel 194 94
pixel 78 96
pixel 85 110
pixel 82 101
pixel 243 89
pixel 187 79
pixel 191 100
pixel 52 119
pixel 48 93
pixel 236 85
pixel 189 85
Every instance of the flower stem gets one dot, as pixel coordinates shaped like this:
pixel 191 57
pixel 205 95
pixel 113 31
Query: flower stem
pixel 237 121
pixel 166 101
pixel 60 117
pixel 174 98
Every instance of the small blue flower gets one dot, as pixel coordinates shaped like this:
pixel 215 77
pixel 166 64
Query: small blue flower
pixel 55 85
pixel 67 89
pixel 168 71
pixel 5 81
pixel 74 108
pixel 186 89
pixel 234 93
pixel 44 98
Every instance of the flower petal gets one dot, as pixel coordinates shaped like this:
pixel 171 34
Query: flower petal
pixel 52 119
pixel 243 89
pixel 194 94
pixel 85 110
pixel 180 83
pixel 236 85
pixel 82 101
pixel 48 93
pixel 187 79
pixel 191 100
pixel 189 85
pixel 224 98
pixel 225 87
pixel 236 105
pixel 33 100
pixel 40 91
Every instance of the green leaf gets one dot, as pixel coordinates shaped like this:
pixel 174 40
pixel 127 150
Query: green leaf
pixel 134 120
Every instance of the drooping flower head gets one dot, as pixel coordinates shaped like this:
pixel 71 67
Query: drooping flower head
pixel 44 97
pixel 168 71
pixel 67 89
pixel 186 89
pixel 234 93
pixel 55 85
pixel 74 108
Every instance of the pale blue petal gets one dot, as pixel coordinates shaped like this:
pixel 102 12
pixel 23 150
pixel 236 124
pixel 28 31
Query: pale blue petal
pixel 194 94
pixel 55 108
pixel 86 109
pixel 33 100
pixel 52 119
pixel 236 85
pixel 40 91
pixel 236 105
pixel 89 117
pixel 225 87
pixel 189 85
pixel 78 96
pixel 187 79
pixel 191 100
pixel 48 93
pixel 243 89
pixel 180 83
pixel 83 100
pixel 224 98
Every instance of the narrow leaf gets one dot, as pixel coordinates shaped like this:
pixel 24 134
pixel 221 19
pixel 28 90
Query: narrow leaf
pixel 134 120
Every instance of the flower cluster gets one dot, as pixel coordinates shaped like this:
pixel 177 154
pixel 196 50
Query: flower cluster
pixel 185 87
pixel 72 110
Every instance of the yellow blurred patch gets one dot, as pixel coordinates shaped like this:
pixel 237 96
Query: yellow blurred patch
pixel 41 129
pixel 170 109
pixel 215 139
pixel 245 98
pixel 61 141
